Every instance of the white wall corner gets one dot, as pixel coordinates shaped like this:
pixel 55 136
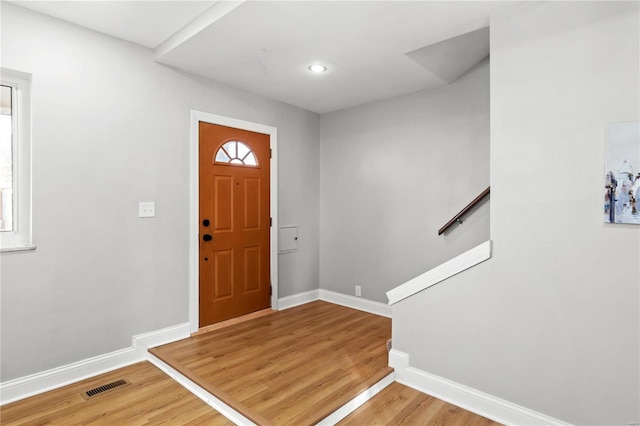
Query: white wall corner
pixel 298 299
pixel 145 341
pixel 440 273
pixel 399 361
pixel 470 399
pixel 354 302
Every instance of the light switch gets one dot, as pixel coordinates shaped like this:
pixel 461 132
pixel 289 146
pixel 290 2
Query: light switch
pixel 147 209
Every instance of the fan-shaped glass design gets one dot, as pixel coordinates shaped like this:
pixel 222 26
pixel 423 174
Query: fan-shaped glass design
pixel 236 152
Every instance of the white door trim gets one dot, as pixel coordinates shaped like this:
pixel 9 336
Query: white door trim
pixel 194 273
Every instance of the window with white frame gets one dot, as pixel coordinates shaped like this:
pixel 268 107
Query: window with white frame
pixel 15 161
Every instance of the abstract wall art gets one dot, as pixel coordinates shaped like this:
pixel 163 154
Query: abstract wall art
pixel 622 173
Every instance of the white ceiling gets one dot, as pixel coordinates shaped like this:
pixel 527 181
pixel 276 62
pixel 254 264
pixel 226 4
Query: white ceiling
pixel 265 47
pixel 147 23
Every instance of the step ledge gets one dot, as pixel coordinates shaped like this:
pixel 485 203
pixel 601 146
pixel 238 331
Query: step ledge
pixel 207 397
pixel 230 413
pixel 34 384
pixel 358 401
pixel 440 273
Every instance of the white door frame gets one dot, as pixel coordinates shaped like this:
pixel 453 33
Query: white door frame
pixel 194 243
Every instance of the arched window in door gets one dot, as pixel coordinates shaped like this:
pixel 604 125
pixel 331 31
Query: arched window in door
pixel 236 152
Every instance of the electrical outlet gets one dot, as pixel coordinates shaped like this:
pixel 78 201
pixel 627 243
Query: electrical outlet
pixel 358 291
pixel 147 209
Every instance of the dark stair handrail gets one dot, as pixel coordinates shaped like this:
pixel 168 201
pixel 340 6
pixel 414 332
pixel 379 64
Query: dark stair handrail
pixel 465 210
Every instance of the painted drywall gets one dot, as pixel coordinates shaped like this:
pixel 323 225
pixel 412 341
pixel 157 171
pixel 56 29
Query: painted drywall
pixel 110 129
pixel 551 321
pixel 393 173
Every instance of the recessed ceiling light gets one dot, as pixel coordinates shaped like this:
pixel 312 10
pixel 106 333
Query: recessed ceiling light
pixel 317 68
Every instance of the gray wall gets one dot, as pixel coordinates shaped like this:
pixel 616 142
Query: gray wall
pixel 110 129
pixel 551 321
pixel 392 173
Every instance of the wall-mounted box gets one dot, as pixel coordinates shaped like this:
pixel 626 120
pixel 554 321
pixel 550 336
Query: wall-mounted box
pixel 288 239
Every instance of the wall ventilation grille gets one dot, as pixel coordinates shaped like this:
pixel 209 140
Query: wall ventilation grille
pixel 104 388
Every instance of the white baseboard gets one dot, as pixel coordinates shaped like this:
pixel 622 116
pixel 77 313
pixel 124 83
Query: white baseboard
pixel 470 399
pixel 298 299
pixel 24 387
pixel 353 302
pixel 358 303
pixel 34 384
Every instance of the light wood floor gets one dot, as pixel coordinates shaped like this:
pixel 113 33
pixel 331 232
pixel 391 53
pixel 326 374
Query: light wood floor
pixel 400 405
pixel 152 398
pixel 293 367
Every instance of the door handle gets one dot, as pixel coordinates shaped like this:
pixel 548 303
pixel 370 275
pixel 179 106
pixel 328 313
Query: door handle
pixel 207 237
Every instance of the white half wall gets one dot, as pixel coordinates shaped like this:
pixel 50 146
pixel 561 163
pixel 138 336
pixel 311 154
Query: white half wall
pixel 551 322
pixel 466 260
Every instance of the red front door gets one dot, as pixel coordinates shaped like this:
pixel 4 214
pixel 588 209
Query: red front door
pixel 234 223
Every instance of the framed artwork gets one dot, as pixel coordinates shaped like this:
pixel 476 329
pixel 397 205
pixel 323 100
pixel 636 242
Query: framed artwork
pixel 622 173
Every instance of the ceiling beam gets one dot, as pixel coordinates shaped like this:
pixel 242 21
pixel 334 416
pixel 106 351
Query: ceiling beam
pixel 201 22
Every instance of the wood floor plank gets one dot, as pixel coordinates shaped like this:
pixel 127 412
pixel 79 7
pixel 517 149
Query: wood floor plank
pixel 152 398
pixel 400 405
pixel 291 367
